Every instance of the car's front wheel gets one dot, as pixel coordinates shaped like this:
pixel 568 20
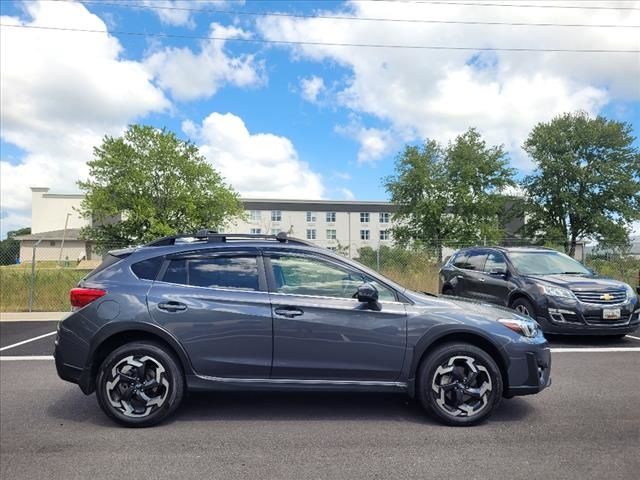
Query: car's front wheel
pixel 139 384
pixel 460 383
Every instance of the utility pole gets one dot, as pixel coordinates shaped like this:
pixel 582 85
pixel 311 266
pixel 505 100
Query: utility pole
pixel 64 234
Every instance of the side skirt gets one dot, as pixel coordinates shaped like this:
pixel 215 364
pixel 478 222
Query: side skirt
pixel 207 383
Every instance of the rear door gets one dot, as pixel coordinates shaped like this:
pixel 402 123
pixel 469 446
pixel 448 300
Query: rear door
pixel 473 274
pixel 217 305
pixel 496 286
pixel 321 332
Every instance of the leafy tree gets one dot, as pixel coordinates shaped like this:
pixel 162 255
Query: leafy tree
pixel 450 195
pixel 10 247
pixel 586 181
pixel 149 183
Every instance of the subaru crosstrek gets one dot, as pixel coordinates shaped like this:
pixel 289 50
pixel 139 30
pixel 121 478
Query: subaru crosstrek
pixel 221 311
pixel 559 292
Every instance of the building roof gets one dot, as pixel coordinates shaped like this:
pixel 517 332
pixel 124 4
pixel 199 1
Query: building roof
pixel 71 234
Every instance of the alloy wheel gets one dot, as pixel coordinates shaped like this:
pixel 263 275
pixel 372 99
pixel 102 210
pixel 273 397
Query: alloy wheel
pixel 523 310
pixel 138 386
pixel 461 386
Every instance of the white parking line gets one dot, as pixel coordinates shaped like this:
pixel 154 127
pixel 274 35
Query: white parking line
pixel 595 350
pixel 26 341
pixel 635 338
pixel 9 358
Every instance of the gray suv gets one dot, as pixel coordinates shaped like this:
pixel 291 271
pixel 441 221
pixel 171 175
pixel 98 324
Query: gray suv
pixel 221 311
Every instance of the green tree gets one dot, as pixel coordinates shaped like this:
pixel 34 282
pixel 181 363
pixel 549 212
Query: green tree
pixel 586 180
pixel 10 247
pixel 450 195
pixel 149 183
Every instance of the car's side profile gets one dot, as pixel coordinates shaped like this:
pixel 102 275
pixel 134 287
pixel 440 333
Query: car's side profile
pixel 222 312
pixel 559 292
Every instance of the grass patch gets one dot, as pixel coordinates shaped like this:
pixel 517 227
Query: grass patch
pixel 51 288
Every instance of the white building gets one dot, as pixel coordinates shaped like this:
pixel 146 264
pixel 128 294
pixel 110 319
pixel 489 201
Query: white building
pixel 345 225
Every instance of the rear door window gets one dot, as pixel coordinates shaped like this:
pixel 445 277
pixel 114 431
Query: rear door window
pixel 475 261
pixel 495 261
pixel 460 260
pixel 214 272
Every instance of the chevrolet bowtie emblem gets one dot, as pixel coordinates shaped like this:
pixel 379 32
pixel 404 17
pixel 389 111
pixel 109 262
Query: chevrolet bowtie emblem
pixel 606 297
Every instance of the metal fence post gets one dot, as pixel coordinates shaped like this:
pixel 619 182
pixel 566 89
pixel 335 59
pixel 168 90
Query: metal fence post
pixel 33 274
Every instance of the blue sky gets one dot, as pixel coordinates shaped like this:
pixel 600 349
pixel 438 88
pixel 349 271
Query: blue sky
pixel 289 120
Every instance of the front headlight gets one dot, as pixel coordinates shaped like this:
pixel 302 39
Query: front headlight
pixel 525 327
pixel 631 293
pixel 557 292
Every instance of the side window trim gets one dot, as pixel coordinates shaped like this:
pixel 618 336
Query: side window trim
pixel 262 278
pixel 271 280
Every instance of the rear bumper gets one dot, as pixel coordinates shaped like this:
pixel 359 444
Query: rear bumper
pixel 68 370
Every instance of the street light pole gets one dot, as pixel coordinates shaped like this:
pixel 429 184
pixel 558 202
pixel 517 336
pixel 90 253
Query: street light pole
pixel 64 234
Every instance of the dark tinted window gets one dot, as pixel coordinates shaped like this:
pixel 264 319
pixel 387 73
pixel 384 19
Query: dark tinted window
pixel 147 269
pixel 224 272
pixel 475 261
pixel 460 260
pixel 495 261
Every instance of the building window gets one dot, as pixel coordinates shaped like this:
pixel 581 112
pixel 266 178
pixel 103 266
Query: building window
pixel 364 234
pixel 364 217
pixel 311 233
pixel 276 215
pixel 384 235
pixel 256 231
pixel 52 243
pixel 311 216
pixel 331 217
pixel 331 234
pixel 385 217
pixel 255 216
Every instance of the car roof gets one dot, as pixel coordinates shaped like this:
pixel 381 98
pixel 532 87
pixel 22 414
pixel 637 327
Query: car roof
pixel 530 249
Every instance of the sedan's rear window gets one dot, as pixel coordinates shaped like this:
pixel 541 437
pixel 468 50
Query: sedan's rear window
pixel 223 272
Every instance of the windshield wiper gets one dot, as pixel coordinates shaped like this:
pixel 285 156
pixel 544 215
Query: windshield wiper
pixel 573 273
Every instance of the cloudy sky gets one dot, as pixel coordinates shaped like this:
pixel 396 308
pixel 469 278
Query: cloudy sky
pixel 297 116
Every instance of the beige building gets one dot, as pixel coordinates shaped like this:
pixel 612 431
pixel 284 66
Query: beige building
pixel 338 225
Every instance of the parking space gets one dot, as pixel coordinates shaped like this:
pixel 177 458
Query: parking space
pixel 585 426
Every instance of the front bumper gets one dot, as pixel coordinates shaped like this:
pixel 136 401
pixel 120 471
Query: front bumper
pixel 529 372
pixel 566 316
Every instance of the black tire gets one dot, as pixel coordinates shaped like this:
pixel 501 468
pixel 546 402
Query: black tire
pixel 524 307
pixel 448 291
pixel 156 393
pixel 479 394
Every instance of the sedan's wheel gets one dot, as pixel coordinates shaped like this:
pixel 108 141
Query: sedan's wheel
pixel 139 384
pixel 460 383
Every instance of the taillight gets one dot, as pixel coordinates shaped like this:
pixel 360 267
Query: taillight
pixel 84 296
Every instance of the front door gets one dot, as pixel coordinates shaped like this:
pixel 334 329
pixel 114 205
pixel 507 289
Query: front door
pixel 321 332
pixel 217 306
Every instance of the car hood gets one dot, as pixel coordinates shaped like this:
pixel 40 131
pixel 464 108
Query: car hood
pixel 579 282
pixel 470 308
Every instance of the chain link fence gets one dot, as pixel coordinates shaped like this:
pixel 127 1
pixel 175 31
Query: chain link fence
pixel 44 285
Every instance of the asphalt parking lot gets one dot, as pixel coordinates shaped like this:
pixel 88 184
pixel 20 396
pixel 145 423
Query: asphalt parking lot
pixel 587 425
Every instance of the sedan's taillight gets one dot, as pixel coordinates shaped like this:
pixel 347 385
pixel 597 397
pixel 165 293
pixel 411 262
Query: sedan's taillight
pixel 81 297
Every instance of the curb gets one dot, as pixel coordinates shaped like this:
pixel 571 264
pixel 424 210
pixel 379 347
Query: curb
pixel 32 316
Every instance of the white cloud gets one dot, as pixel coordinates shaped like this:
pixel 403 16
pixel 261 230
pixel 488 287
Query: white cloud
pixel 181 12
pixel 190 76
pixel 347 194
pixel 311 87
pixel 61 93
pixel 374 142
pixel 440 93
pixel 259 165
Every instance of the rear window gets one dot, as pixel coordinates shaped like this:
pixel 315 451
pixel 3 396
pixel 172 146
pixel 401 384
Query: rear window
pixel 460 260
pixel 476 261
pixel 223 272
pixel 148 269
pixel 108 261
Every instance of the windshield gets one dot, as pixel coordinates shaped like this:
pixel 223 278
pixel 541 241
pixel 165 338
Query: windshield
pixel 546 263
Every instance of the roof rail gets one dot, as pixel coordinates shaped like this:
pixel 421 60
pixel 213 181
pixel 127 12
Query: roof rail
pixel 212 236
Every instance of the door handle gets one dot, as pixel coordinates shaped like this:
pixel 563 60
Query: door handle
pixel 172 306
pixel 482 279
pixel 288 312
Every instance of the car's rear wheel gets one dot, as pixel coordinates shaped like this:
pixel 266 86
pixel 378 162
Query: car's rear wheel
pixel 460 383
pixel 524 307
pixel 139 384
pixel 448 291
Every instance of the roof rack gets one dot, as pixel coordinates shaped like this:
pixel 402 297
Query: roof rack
pixel 212 236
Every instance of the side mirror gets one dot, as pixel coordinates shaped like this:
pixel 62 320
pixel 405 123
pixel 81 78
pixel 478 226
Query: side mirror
pixel 367 293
